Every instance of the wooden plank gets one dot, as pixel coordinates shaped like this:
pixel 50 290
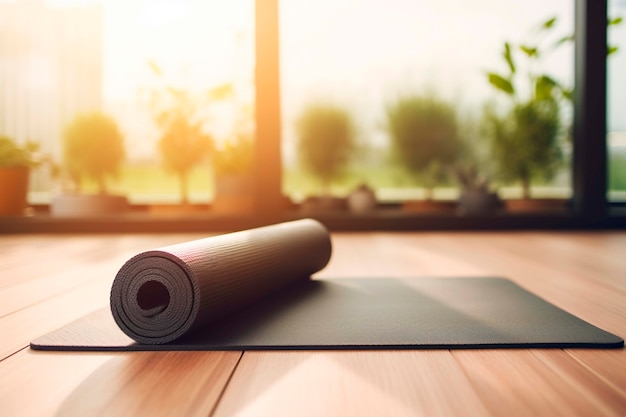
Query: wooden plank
pixel 30 292
pixel 59 268
pixel 599 259
pixel 36 383
pixel 392 255
pixel 383 383
pixel 155 384
pixel 31 256
pixel 538 383
pixel 45 384
pixel 19 328
pixel 608 365
pixel 544 273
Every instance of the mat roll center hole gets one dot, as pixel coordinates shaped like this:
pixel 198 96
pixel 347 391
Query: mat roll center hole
pixel 153 297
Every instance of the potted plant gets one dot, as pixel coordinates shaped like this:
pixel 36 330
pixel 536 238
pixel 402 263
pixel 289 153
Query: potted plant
pixel 527 139
pixel 326 140
pixel 362 199
pixel 476 196
pixel 93 150
pixel 15 164
pixel 526 146
pixel 425 141
pixel 232 166
pixel 182 116
pixel 183 146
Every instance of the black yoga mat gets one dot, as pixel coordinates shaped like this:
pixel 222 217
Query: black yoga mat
pixel 251 290
pixel 160 295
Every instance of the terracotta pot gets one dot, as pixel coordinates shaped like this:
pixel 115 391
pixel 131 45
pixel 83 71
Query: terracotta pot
pixel 535 205
pixel 429 206
pixel 323 204
pixel 13 190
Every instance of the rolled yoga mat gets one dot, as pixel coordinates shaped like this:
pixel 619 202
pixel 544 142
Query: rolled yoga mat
pixel 160 295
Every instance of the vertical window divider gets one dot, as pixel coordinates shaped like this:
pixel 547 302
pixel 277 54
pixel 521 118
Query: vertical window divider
pixel 590 143
pixel 267 162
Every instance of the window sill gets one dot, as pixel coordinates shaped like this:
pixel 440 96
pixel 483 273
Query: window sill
pixel 199 219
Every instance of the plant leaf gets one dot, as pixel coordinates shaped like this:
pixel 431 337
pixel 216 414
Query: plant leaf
pixel 611 49
pixel 531 51
pixel 568 93
pixel 549 23
pixel 508 57
pixel 176 93
pixel 155 68
pixel 221 92
pixel 544 87
pixel 564 39
pixel 501 83
pixel 615 21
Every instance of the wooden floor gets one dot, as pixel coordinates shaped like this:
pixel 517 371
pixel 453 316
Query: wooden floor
pixel 47 281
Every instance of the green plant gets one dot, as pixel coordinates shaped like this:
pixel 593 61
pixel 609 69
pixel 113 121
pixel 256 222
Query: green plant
pixel 183 145
pixel 13 155
pixel 526 141
pixel 470 178
pixel 326 140
pixel 182 118
pixel 536 84
pixel 93 147
pixel 425 138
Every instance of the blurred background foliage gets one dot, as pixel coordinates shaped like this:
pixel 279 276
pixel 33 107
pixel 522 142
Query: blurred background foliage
pixel 326 142
pixel 93 149
pixel 424 139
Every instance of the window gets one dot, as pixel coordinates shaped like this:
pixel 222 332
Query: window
pixel 260 73
pixel 365 60
pixel 133 61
